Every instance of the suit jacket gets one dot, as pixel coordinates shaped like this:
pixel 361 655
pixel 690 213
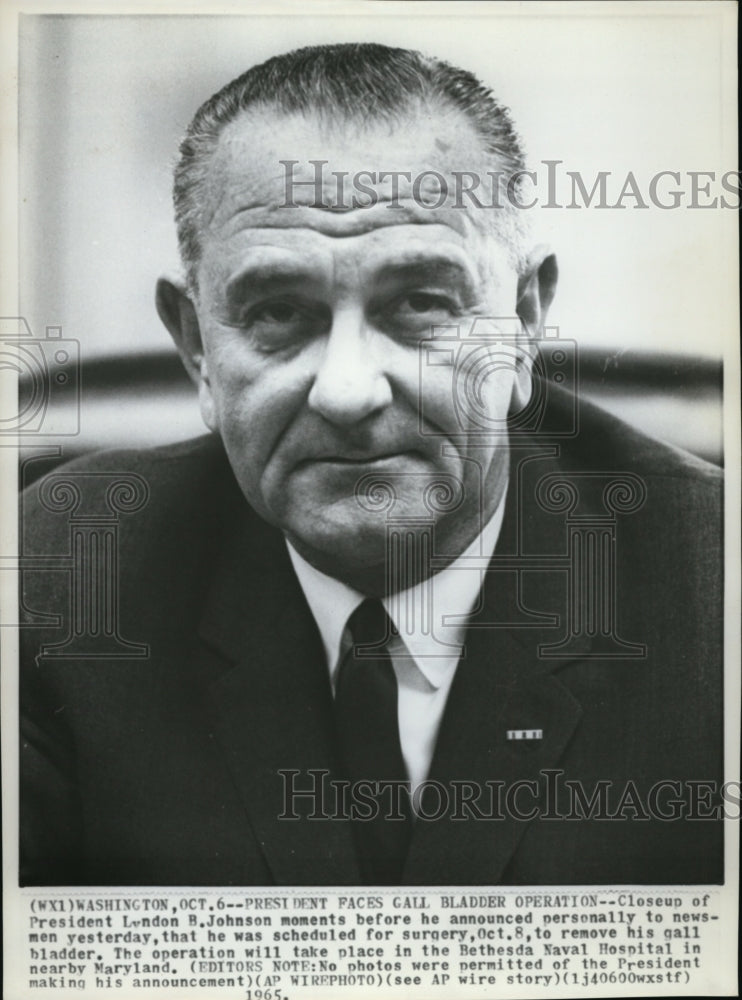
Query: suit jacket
pixel 162 765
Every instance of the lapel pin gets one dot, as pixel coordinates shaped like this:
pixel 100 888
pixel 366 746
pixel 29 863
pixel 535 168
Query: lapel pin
pixel 525 734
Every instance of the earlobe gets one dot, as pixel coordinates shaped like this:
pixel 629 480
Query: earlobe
pixel 536 289
pixel 206 401
pixel 522 383
pixel 177 312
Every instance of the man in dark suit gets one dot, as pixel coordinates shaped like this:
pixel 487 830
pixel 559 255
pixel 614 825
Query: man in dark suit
pixel 410 613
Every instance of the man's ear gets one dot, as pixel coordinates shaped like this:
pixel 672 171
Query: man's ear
pixel 177 312
pixel 536 289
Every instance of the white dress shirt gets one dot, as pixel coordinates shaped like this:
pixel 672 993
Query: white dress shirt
pixel 424 659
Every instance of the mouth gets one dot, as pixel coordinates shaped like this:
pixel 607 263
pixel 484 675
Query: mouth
pixel 357 460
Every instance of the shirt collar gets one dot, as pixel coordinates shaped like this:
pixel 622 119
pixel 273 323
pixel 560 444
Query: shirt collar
pixel 455 590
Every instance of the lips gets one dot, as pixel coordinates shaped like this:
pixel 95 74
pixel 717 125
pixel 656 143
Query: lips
pixel 355 462
pixel 361 459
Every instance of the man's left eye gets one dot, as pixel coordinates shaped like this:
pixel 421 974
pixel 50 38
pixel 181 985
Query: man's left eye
pixel 420 310
pixel 423 302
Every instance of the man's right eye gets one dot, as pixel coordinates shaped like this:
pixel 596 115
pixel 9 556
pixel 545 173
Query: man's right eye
pixel 282 323
pixel 277 312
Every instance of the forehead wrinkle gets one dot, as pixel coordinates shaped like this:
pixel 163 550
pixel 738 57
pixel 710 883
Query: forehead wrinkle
pixel 363 221
pixel 334 224
pixel 381 198
pixel 262 246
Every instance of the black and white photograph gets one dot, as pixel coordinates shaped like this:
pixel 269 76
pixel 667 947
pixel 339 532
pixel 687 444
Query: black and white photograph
pixel 370 394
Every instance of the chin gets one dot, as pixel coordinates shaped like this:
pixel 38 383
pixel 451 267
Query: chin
pixel 340 546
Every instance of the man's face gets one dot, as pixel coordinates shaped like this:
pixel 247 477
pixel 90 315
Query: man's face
pixel 311 323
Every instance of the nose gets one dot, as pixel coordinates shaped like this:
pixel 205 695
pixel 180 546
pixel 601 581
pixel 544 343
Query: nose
pixel 351 383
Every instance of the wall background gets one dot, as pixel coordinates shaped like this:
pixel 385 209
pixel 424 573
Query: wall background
pixel 104 101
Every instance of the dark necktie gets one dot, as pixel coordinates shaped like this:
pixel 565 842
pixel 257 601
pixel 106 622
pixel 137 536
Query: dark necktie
pixel 368 731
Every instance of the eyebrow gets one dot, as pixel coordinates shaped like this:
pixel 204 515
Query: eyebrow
pixel 417 265
pixel 269 275
pixel 426 267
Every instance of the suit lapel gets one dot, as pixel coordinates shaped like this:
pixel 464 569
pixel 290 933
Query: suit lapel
pixel 272 711
pixel 501 685
pixel 498 687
